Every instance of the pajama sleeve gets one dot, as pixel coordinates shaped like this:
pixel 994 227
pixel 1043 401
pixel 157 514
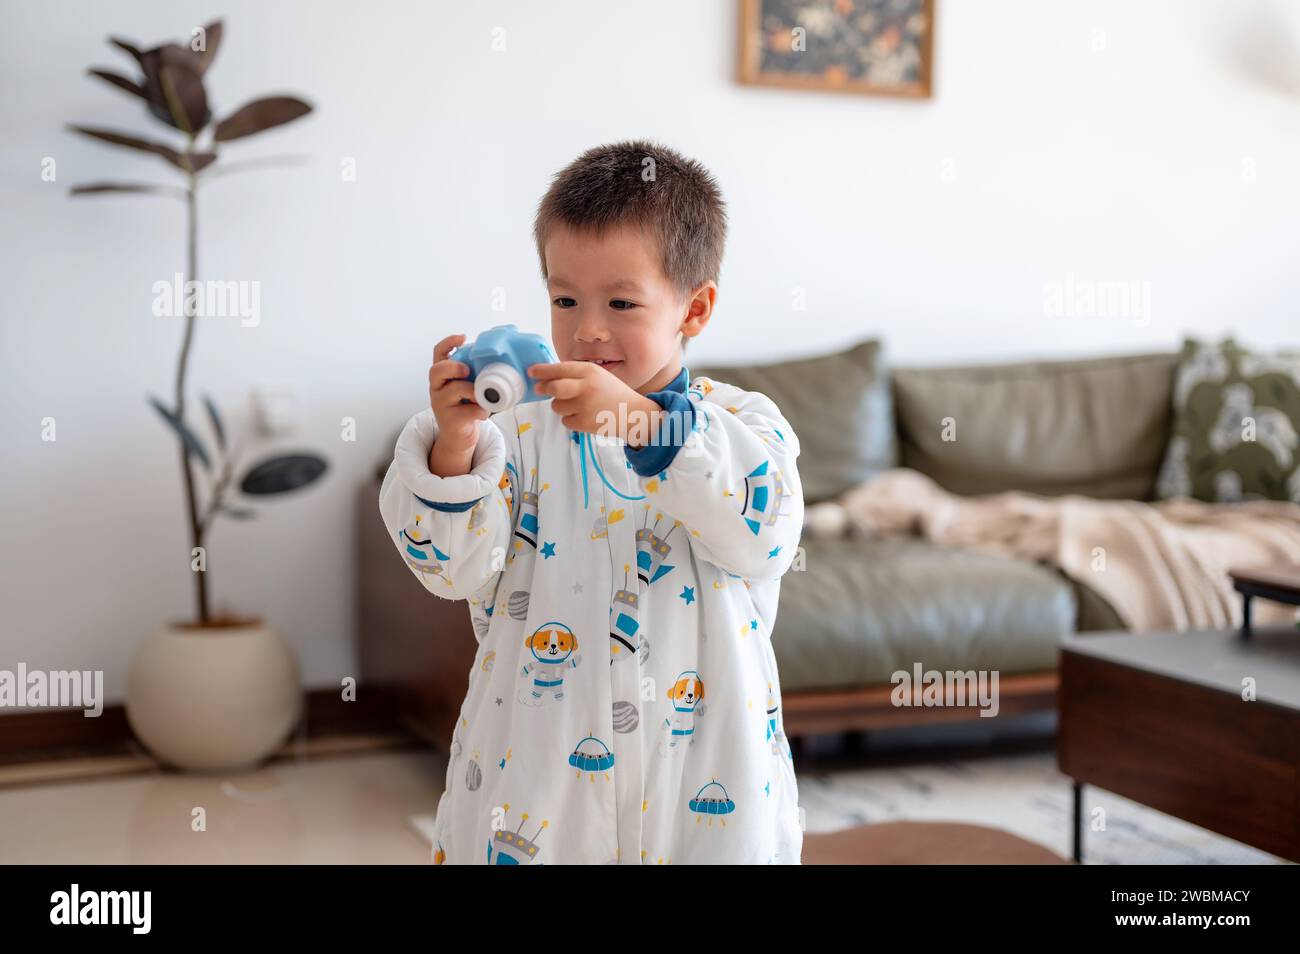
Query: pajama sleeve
pixel 723 463
pixel 452 532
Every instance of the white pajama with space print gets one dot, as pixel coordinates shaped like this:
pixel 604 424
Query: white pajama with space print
pixel 624 705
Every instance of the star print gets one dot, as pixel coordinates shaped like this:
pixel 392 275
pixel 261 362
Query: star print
pixel 548 550
pixel 502 763
pixel 577 588
pixel 753 624
pixel 767 789
pixel 499 700
pixel 688 594
pixel 773 552
pixel 709 475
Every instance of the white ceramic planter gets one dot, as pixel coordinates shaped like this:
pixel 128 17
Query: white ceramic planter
pixel 213 698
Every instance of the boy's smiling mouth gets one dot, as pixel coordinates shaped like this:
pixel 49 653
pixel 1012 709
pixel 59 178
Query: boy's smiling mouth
pixel 603 362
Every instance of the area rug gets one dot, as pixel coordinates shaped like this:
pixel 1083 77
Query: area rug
pixel 1023 794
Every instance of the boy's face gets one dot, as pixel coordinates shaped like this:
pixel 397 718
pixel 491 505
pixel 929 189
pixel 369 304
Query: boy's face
pixel 611 300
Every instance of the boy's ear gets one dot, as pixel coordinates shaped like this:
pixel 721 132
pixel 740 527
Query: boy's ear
pixel 699 308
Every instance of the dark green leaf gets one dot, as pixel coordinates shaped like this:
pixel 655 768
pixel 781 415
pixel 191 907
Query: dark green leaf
pixel 176 101
pixel 129 48
pixel 186 436
pixel 120 81
pixel 215 418
pixel 94 188
pixel 187 102
pixel 198 161
pixel 281 474
pixel 132 142
pixel 259 115
pixel 213 31
pixel 186 162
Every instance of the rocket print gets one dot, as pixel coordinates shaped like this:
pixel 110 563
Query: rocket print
pixel 762 496
pixel 653 550
pixel 526 530
pixel 507 847
pixel 625 637
pixel 772 713
pixel 421 555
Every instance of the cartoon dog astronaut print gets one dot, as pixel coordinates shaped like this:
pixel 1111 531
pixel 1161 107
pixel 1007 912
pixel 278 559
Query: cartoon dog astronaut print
pixel 687 698
pixel 554 649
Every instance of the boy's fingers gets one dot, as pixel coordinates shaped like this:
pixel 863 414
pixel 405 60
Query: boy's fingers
pixel 562 389
pixel 450 394
pixel 445 371
pixel 560 369
pixel 446 346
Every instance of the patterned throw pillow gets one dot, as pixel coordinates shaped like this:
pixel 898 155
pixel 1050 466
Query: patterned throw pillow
pixel 1236 418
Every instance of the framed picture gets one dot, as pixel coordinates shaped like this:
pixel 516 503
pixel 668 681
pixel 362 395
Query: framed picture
pixel 877 47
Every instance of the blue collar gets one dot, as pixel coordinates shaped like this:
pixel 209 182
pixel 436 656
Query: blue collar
pixel 678 384
pixel 681 382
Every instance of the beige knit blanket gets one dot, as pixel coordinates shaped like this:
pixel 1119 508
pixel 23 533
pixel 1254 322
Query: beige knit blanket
pixel 1161 565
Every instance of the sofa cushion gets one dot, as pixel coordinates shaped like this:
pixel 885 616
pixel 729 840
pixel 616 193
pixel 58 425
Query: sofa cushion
pixel 838 404
pixel 1096 613
pixel 864 608
pixel 1095 426
pixel 1236 431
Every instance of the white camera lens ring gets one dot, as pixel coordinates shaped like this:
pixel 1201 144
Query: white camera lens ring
pixel 498 387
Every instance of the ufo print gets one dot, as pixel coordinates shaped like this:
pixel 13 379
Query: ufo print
pixel 712 799
pixel 592 755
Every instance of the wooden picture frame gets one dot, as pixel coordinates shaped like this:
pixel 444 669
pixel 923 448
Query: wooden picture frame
pixel 841 49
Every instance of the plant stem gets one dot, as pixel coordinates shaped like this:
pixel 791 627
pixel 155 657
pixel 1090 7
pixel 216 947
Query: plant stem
pixel 187 466
pixel 217 497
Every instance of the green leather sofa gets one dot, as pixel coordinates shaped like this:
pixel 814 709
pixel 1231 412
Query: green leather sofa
pixel 864 608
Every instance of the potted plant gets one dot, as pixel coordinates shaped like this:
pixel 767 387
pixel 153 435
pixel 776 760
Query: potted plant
pixel 218 691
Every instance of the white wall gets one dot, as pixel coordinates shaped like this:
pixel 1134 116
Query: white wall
pixel 1169 157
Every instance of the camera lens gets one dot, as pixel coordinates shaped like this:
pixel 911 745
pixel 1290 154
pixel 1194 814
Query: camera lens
pixel 493 395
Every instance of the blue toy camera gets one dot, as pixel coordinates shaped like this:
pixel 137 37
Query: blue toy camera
pixel 498 361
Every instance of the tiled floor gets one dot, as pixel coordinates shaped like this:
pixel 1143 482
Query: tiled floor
pixel 320 809
pixel 351 799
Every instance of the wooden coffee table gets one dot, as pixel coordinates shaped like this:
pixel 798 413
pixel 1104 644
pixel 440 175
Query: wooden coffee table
pixel 1160 718
pixel 1279 583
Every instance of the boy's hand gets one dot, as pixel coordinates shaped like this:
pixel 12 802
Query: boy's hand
pixel 582 392
pixel 457 423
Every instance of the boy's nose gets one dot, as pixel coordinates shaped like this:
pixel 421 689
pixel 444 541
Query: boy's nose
pixel 591 330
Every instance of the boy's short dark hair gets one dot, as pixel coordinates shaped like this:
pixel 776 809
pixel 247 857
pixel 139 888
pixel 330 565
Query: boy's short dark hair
pixel 652 187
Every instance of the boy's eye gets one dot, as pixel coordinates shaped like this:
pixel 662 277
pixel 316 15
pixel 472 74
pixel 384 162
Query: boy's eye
pixel 622 304
pixel 563 302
